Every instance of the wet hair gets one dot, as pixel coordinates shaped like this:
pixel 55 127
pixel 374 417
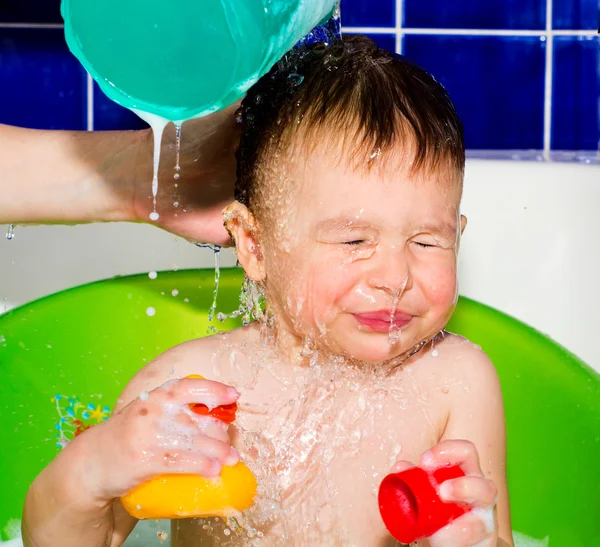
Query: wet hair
pixel 351 89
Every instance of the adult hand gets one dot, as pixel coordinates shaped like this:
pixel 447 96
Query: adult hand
pixel 190 201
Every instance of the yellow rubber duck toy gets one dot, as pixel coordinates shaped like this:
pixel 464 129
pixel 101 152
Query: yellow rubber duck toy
pixel 173 496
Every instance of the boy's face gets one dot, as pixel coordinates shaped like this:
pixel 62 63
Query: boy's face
pixel 354 255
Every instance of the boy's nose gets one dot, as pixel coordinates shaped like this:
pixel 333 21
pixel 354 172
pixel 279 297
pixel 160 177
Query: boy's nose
pixel 391 273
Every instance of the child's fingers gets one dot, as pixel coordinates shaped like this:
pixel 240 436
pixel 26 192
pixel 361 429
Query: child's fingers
pixel 196 390
pixel 401 465
pixel 453 452
pixel 216 449
pixel 184 461
pixel 210 427
pixel 467 531
pixel 476 491
pixel 222 452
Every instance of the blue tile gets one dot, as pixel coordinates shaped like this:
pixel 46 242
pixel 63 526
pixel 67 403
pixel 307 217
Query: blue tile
pixel 480 14
pixel 496 83
pixel 43 85
pixel 575 14
pixel 384 41
pixel 369 13
pixel 575 93
pixel 108 115
pixel 30 11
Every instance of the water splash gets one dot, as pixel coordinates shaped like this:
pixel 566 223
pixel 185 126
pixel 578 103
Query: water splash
pixel 177 150
pixel 216 249
pixel 252 304
pixel 395 331
pixel 10 232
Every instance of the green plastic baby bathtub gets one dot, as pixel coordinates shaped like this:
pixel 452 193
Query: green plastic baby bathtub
pixel 70 355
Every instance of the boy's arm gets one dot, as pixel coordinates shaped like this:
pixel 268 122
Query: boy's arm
pixel 477 415
pixel 59 511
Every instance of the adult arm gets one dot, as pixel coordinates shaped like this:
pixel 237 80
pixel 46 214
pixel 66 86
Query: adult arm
pixel 76 176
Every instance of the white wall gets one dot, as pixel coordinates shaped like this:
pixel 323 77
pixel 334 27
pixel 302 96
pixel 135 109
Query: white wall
pixel 530 249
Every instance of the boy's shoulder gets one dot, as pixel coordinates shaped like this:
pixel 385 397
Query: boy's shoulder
pixel 454 367
pixel 207 357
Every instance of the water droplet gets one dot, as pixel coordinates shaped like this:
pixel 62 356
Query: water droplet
pixel 10 233
pixel 144 396
pixel 174 292
pixel 434 353
pixel 295 79
pixel 176 204
pixel 150 311
pixel 152 275
pixel 227 531
pixel 177 150
pixel 154 216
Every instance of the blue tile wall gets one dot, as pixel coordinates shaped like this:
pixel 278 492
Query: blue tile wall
pixel 42 85
pixel 474 14
pixel 491 55
pixel 496 83
pixel 575 14
pixel 575 93
pixel 369 13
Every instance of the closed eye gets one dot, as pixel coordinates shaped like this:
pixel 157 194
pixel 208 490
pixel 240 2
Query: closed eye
pixel 424 245
pixel 355 242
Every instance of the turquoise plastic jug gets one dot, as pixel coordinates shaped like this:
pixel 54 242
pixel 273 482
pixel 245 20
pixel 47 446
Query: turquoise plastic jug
pixel 180 59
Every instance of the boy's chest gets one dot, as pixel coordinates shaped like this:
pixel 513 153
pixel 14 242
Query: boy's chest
pixel 319 457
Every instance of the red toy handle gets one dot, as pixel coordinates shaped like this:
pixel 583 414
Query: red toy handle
pixel 410 506
pixel 225 413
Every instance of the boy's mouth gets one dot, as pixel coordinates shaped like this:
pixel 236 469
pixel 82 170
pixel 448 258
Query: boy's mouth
pixel 383 320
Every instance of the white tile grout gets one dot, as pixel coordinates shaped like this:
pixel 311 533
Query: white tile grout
pixel 90 103
pixel 399 21
pixel 574 32
pixel 548 72
pixel 466 32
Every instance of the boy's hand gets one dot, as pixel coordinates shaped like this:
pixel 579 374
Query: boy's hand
pixel 155 434
pixel 477 527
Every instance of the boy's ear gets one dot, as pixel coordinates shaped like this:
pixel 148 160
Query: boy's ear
pixel 243 229
pixel 463 224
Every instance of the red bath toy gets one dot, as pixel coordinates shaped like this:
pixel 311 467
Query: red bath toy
pixel 225 413
pixel 410 506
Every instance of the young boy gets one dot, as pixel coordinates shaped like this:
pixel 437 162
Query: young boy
pixel 347 218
